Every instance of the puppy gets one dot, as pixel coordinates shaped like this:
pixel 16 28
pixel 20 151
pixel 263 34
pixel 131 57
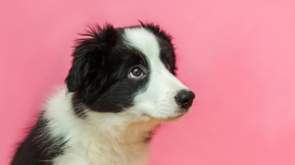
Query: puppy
pixel 120 87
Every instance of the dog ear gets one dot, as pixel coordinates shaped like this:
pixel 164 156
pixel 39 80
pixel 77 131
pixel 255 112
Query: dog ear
pixel 90 59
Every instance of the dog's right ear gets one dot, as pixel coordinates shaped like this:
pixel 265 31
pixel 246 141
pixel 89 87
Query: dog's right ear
pixel 90 59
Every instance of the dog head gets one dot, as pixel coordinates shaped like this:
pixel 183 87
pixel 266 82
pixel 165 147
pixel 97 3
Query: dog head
pixel 127 70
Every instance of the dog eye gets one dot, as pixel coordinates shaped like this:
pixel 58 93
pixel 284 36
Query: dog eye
pixel 136 72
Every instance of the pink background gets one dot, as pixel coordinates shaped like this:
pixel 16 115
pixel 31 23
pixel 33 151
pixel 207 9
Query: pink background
pixel 237 56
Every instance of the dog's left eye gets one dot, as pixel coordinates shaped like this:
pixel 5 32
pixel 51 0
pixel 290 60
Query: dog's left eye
pixel 136 72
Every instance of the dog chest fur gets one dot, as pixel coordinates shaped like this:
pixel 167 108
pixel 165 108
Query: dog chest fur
pixel 102 139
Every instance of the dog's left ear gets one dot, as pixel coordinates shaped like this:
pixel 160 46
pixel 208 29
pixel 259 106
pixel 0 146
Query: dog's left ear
pixel 90 57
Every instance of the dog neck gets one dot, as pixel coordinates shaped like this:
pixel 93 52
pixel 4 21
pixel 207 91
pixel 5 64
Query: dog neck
pixel 98 134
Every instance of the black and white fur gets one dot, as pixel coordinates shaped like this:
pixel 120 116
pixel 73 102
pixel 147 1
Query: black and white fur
pixel 120 87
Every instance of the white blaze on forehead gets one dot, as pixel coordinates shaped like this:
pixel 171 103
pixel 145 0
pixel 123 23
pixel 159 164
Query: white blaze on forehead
pixel 144 41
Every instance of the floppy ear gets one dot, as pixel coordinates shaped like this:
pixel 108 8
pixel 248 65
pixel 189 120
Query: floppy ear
pixel 90 59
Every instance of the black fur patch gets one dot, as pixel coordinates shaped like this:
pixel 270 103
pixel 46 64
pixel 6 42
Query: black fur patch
pixel 98 76
pixel 78 106
pixel 39 148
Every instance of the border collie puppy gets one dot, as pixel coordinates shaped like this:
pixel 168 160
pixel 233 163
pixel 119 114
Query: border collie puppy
pixel 120 87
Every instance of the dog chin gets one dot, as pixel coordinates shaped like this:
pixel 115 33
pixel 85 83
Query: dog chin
pixel 169 119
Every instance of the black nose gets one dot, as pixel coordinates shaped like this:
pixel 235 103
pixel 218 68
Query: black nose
pixel 185 98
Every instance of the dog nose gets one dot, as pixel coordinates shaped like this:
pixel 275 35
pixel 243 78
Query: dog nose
pixel 185 98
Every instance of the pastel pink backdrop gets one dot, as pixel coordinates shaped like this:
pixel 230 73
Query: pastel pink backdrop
pixel 237 56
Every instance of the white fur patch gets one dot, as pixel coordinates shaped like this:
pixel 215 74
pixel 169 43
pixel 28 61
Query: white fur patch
pixel 101 139
pixel 143 40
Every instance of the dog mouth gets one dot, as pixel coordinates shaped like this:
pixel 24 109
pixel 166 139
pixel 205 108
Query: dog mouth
pixel 175 117
pixel 167 119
